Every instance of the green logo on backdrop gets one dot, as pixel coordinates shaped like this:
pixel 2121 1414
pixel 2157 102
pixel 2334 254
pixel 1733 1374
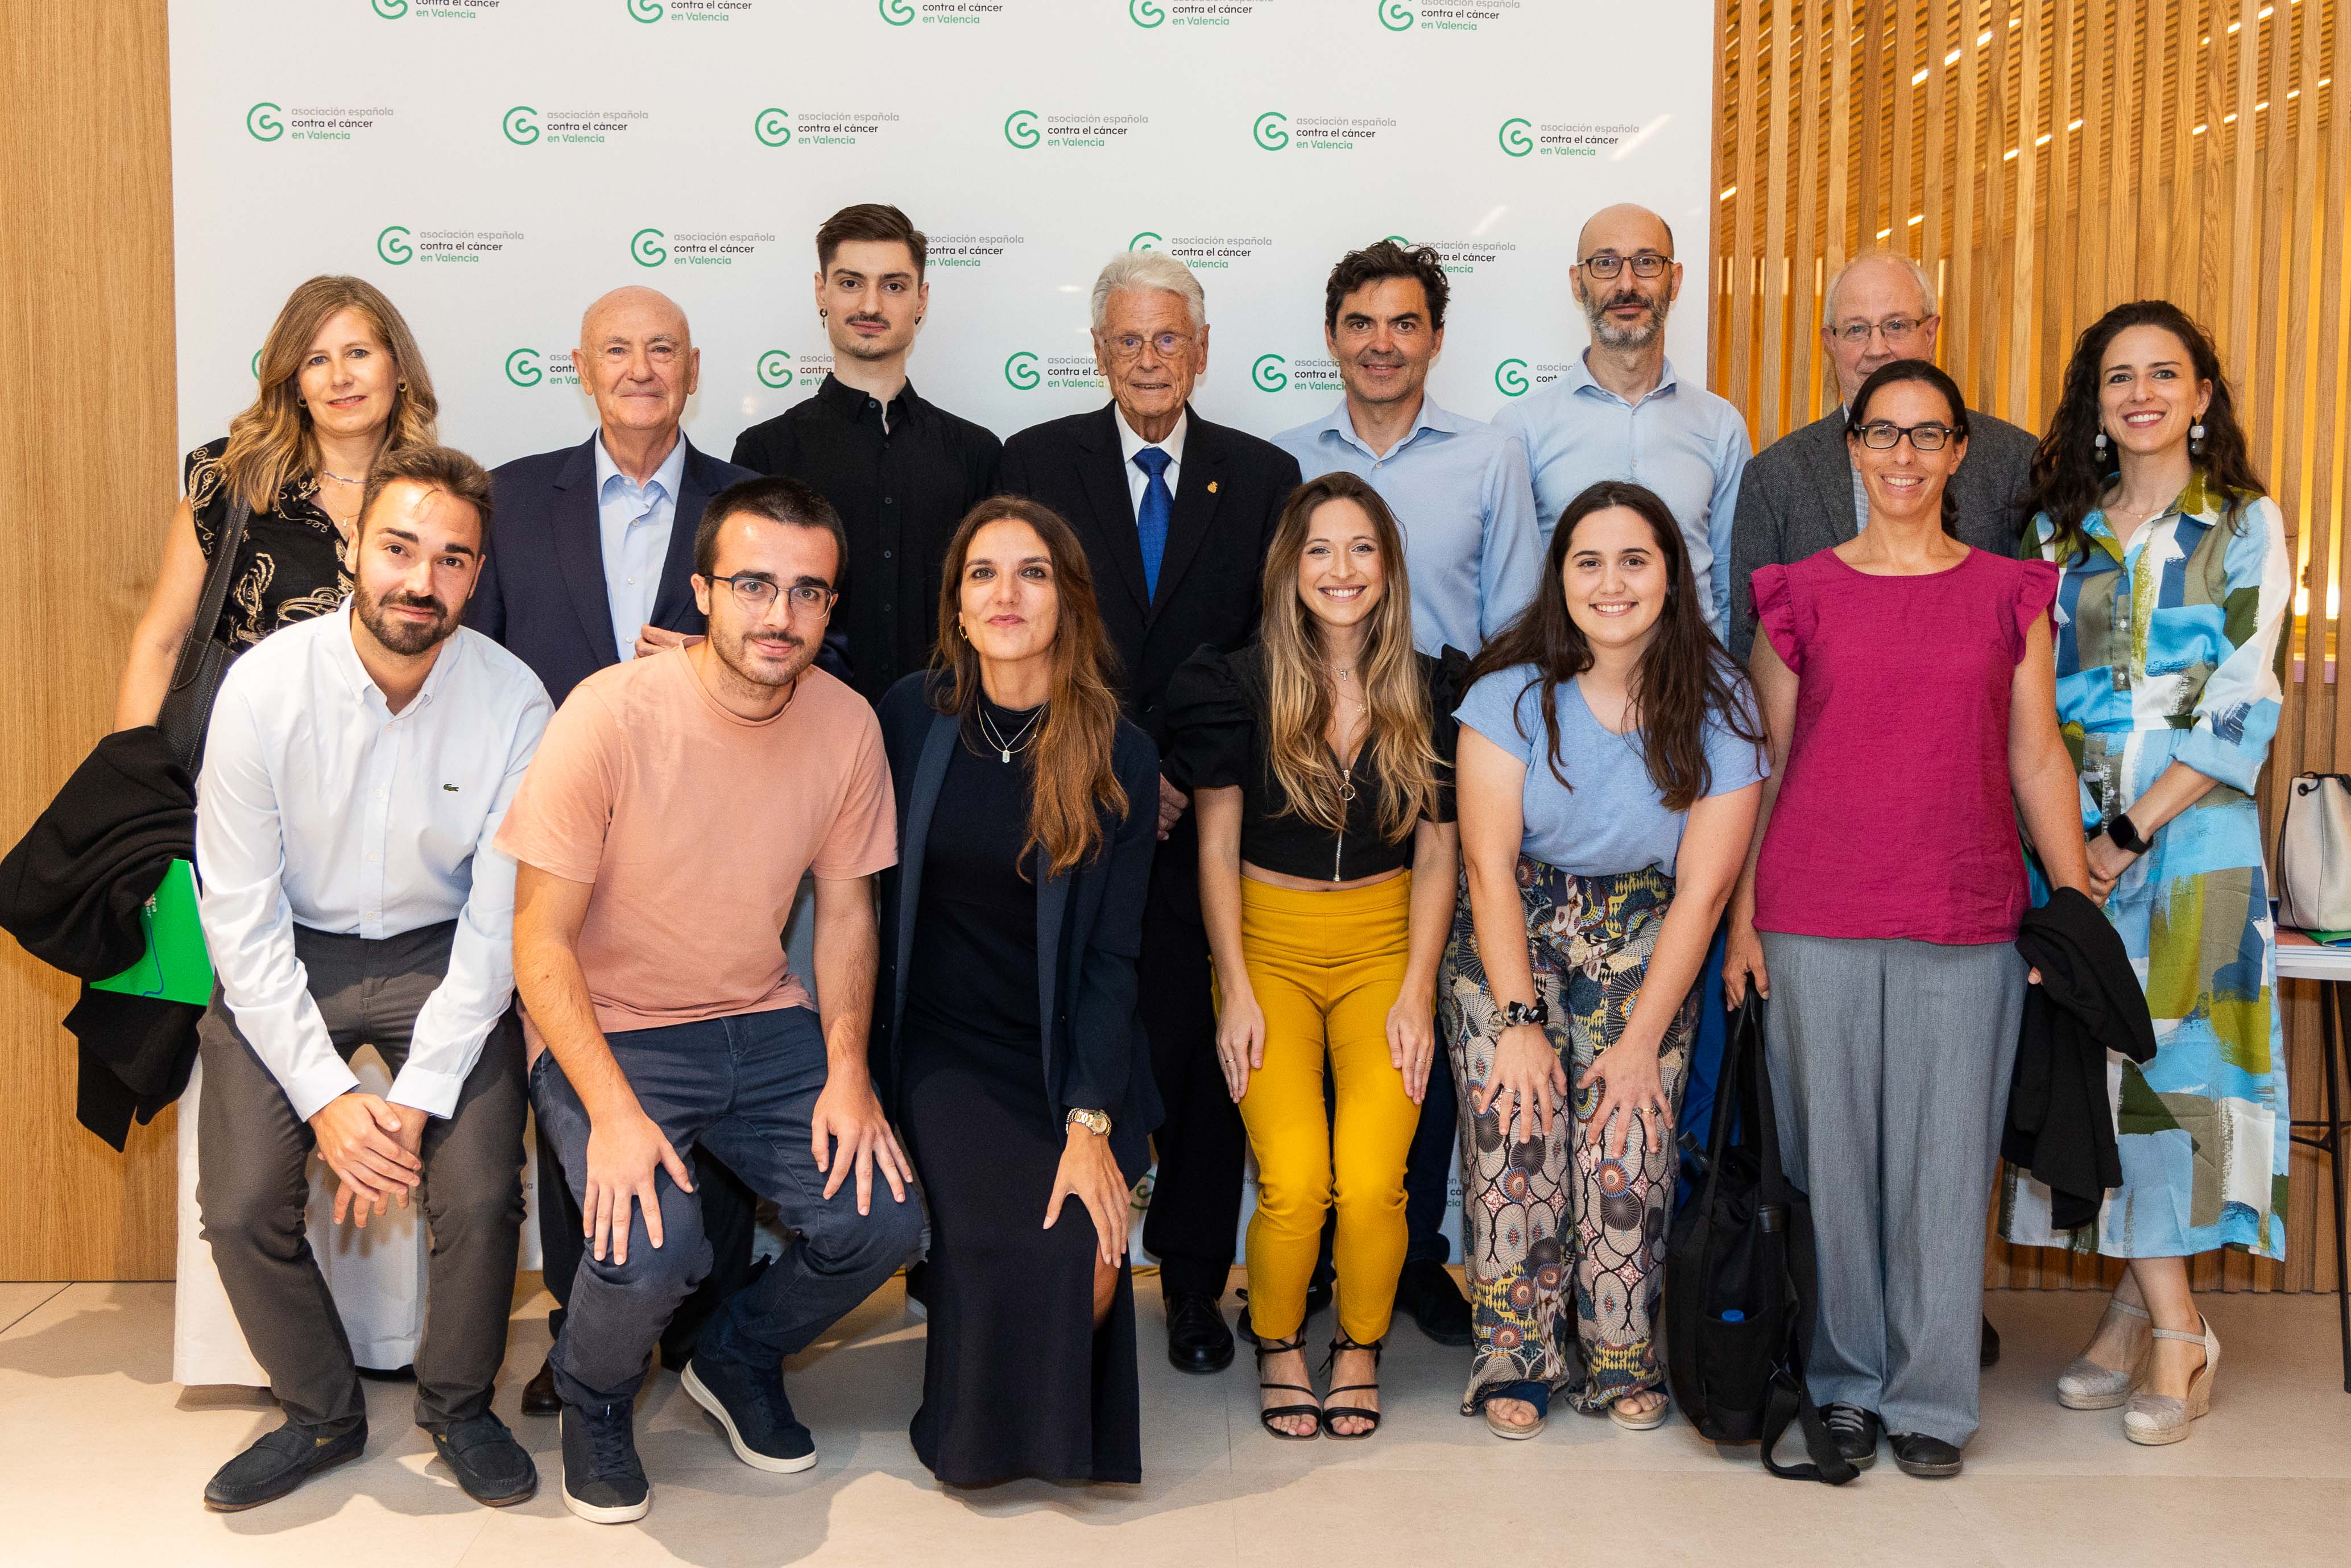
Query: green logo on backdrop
pixel 392 245
pixel 391 10
pixel 897 13
pixel 261 123
pixel 1394 18
pixel 1144 14
pixel 255 367
pixel 521 125
pixel 1510 377
pixel 1272 131
pixel 772 127
pixel 1514 138
pixel 1020 372
pixel 1021 129
pixel 775 369
pixel 522 368
pixel 1269 375
pixel 645 10
pixel 1138 242
pixel 645 247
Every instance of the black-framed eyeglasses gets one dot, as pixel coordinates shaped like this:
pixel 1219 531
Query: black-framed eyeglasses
pixel 755 593
pixel 1607 264
pixel 1884 435
pixel 1893 327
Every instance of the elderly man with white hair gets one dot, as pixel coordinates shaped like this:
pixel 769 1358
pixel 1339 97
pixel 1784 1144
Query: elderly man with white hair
pixel 1175 514
pixel 1802 493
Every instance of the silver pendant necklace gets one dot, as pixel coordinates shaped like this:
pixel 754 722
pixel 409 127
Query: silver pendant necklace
pixel 994 737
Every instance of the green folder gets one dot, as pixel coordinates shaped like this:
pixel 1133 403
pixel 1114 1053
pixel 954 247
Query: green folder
pixel 176 966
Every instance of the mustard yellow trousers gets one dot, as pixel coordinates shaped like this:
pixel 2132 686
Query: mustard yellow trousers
pixel 1326 968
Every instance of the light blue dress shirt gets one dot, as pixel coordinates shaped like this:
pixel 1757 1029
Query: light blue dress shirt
pixel 633 522
pixel 1460 490
pixel 1686 444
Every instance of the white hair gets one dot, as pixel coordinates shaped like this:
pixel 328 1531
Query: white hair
pixel 1918 274
pixel 1149 269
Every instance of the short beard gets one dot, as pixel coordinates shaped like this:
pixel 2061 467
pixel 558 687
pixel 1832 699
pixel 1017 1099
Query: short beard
pixel 731 653
pixel 851 346
pixel 1608 335
pixel 405 638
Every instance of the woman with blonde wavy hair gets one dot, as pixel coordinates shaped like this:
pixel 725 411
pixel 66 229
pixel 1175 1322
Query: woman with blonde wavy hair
pixel 1320 759
pixel 1006 1038
pixel 341 382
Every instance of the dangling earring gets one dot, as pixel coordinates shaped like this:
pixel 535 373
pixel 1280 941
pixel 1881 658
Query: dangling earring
pixel 2196 439
pixel 820 313
pixel 2102 444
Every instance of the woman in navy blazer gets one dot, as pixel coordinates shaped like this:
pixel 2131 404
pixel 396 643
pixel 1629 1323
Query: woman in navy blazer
pixel 1006 1038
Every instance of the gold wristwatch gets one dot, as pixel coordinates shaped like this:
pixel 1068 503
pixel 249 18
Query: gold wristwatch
pixel 1094 1121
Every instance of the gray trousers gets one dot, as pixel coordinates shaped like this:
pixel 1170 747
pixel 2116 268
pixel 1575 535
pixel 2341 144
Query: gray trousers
pixel 252 1191
pixel 1889 1072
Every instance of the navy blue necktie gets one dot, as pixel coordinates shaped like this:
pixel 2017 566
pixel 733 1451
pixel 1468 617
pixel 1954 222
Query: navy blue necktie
pixel 1151 517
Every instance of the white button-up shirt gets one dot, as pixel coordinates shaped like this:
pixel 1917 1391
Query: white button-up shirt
pixel 634 523
pixel 320 807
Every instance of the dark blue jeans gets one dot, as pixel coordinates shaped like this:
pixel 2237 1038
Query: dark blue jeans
pixel 746 1087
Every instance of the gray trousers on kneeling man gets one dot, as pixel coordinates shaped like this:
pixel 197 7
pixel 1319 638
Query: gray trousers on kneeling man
pixel 253 1189
pixel 1889 1073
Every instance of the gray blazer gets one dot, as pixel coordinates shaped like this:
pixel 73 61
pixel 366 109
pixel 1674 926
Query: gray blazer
pixel 1796 500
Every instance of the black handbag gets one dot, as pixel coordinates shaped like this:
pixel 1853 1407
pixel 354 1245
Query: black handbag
pixel 204 659
pixel 1740 1276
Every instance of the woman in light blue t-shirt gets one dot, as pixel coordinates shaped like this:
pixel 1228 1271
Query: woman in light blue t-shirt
pixel 1610 769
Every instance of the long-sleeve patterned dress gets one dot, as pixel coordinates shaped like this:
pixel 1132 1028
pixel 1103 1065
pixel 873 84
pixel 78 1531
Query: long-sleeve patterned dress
pixel 2171 651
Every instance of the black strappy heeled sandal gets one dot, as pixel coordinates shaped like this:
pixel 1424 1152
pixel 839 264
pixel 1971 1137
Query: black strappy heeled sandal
pixel 1337 1412
pixel 1266 1347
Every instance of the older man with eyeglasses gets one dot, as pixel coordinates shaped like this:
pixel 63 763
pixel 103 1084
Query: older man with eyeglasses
pixel 1620 412
pixel 1803 493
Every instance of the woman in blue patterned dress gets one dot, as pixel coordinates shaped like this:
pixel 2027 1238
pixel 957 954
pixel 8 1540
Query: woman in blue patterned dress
pixel 2176 590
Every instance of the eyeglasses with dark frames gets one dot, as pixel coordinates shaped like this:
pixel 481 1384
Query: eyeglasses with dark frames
pixel 1884 435
pixel 1608 264
pixel 755 593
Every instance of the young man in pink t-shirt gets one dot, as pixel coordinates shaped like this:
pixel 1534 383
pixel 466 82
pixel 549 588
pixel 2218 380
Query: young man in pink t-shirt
pixel 660 835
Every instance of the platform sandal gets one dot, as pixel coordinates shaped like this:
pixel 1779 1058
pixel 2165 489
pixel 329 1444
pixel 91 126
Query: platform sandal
pixel 1334 1411
pixel 1266 1417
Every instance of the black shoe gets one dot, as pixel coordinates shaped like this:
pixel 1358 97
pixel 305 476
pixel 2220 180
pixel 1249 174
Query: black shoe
pixel 276 1465
pixel 1856 1432
pixel 749 1402
pixel 1988 1355
pixel 538 1396
pixel 487 1460
pixel 1426 1290
pixel 604 1480
pixel 1197 1339
pixel 1318 1299
pixel 1931 1459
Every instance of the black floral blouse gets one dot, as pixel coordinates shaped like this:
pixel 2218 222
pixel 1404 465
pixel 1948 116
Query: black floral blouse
pixel 290 566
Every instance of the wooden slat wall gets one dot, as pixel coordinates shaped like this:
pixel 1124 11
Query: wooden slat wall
pixel 2046 160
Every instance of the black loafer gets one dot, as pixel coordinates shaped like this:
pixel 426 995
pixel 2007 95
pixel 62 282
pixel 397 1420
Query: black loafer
pixel 1988 1353
pixel 1929 1458
pixel 1197 1339
pixel 1856 1432
pixel 1318 1299
pixel 487 1460
pixel 1426 1290
pixel 538 1396
pixel 276 1465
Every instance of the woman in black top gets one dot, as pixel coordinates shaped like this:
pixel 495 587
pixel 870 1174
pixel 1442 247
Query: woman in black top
pixel 340 381
pixel 1320 762
pixel 1006 1040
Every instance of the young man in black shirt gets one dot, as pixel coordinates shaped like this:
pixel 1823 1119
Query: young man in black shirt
pixel 901 471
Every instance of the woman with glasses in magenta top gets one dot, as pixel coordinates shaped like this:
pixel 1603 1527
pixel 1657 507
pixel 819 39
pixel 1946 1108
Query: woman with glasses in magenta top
pixel 1908 682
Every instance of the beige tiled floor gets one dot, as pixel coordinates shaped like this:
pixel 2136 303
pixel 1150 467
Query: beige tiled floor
pixel 103 1459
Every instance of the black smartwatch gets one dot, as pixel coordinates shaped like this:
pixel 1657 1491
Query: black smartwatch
pixel 2120 829
pixel 1516 1013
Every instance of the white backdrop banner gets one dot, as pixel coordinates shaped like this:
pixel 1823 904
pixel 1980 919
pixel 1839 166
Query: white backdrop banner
pixel 496 165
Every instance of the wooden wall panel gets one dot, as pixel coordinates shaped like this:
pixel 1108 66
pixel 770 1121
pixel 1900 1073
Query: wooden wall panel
pixel 2046 160
pixel 86 439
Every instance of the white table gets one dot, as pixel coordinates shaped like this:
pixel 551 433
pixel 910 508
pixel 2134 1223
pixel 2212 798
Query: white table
pixel 2300 959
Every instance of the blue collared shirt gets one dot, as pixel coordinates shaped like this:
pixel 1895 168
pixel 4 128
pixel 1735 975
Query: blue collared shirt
pixel 1459 488
pixel 634 523
pixel 1686 444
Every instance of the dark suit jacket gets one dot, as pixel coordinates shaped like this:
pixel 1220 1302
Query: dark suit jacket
pixel 1796 499
pixel 1228 496
pixel 542 593
pixel 1089 933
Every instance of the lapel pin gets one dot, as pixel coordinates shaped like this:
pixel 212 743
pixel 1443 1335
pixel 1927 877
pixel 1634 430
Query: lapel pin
pixel 1212 486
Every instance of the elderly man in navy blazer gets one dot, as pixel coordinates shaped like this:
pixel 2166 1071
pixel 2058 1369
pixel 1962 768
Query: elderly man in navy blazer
pixel 592 565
